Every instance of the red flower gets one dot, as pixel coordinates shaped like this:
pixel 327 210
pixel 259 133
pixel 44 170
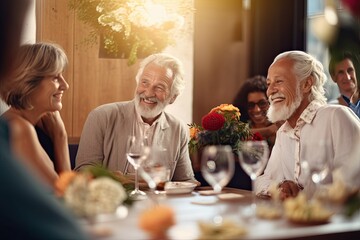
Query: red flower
pixel 257 137
pixel 353 6
pixel 213 121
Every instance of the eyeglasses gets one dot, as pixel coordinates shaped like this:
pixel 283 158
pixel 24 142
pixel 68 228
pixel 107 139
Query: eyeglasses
pixel 262 104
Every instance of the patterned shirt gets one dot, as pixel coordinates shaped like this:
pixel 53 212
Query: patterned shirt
pixel 322 131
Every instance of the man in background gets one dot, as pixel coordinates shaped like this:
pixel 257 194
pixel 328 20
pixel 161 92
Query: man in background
pixel 343 70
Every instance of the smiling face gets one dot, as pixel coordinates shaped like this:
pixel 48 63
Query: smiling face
pixel 345 77
pixel 153 92
pixel 257 108
pixel 48 94
pixel 283 91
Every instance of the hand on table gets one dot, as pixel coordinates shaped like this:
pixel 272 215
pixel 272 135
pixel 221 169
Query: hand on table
pixel 130 179
pixel 288 189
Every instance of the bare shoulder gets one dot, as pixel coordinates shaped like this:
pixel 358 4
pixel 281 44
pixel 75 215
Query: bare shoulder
pixel 20 127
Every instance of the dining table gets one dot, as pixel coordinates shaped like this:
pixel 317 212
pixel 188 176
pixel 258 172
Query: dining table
pixel 201 205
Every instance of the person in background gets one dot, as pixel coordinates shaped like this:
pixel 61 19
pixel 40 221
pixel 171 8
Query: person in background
pixel 35 94
pixel 253 104
pixel 28 209
pixel 313 129
pixel 342 68
pixel 103 139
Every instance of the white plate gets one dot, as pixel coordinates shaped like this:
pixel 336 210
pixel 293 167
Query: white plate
pixel 179 187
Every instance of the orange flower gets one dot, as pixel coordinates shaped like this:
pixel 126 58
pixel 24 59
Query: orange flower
pixel 157 220
pixel 226 108
pixel 193 132
pixel 63 182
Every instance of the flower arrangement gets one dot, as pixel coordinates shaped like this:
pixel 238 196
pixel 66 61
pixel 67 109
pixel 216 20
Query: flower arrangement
pixel 92 192
pixel 131 28
pixel 221 126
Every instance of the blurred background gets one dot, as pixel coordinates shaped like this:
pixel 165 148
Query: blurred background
pixel 224 43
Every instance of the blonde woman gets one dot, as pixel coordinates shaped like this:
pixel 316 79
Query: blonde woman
pixel 34 95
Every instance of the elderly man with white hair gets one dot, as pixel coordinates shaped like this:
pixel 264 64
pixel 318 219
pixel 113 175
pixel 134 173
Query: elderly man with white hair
pixel 313 131
pixel 106 130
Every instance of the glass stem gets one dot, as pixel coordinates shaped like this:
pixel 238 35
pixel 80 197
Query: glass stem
pixel 136 180
pixel 253 193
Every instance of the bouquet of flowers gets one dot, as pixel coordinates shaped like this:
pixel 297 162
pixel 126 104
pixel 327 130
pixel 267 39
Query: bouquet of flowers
pixel 132 28
pixel 221 126
pixel 92 192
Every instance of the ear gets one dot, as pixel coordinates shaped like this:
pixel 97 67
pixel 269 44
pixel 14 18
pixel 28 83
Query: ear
pixel 307 84
pixel 173 99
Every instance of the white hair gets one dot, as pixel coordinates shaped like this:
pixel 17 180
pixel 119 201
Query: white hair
pixel 304 66
pixel 171 64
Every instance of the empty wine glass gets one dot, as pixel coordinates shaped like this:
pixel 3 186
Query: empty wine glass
pixel 253 156
pixel 154 169
pixel 137 151
pixel 319 171
pixel 217 166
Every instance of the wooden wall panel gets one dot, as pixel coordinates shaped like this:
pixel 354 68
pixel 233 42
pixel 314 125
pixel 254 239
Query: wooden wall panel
pixel 220 54
pixel 54 23
pixel 93 81
pixel 97 80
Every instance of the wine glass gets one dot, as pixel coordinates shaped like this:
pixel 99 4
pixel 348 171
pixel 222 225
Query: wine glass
pixel 253 156
pixel 154 169
pixel 319 171
pixel 137 151
pixel 217 166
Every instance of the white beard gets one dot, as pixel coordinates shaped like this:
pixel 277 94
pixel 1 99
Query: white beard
pixel 147 112
pixel 282 113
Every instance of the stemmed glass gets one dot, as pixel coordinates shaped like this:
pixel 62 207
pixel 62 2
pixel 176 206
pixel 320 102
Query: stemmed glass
pixel 154 169
pixel 319 171
pixel 253 156
pixel 217 166
pixel 137 151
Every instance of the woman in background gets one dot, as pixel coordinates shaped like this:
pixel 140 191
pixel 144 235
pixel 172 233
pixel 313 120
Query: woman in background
pixel 35 94
pixel 253 104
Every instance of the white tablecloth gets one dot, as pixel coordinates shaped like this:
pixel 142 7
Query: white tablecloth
pixel 191 208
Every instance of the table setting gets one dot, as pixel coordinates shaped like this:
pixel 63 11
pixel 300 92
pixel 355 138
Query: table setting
pixel 182 210
pixel 191 216
pixel 167 209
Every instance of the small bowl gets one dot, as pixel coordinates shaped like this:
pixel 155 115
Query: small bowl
pixel 179 187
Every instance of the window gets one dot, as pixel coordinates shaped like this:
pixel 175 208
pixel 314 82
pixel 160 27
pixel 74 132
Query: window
pixel 315 47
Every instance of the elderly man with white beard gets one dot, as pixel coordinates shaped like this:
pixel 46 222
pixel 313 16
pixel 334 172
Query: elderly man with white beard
pixel 104 136
pixel 313 130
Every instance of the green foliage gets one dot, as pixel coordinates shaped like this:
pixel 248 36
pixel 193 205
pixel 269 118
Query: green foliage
pixel 130 28
pixel 352 205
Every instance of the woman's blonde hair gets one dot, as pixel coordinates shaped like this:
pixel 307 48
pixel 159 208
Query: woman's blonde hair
pixel 33 63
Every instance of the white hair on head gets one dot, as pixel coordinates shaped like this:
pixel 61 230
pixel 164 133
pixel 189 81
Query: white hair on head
pixel 304 66
pixel 172 64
